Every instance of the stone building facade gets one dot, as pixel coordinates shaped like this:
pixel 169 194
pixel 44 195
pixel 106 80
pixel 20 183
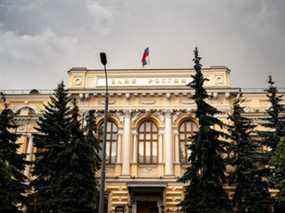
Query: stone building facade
pixel 150 118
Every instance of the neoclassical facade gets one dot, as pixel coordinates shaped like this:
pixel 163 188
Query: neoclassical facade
pixel 151 115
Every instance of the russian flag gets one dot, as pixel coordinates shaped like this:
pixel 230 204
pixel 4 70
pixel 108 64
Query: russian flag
pixel 145 57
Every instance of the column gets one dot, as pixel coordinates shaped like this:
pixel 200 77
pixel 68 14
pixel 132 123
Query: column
pixel 135 147
pixel 126 144
pixel 168 143
pixel 160 206
pixel 29 154
pixel 119 148
pixel 176 136
pixel 160 147
pixel 134 207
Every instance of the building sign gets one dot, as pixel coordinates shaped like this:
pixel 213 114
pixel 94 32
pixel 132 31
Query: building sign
pixel 143 81
pixel 93 82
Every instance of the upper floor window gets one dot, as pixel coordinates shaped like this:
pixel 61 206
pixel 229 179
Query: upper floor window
pixel 147 142
pixel 185 132
pixel 25 111
pixel 111 140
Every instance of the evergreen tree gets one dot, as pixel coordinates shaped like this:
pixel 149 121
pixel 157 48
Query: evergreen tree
pixel 76 188
pixel 94 143
pixel 251 192
pixel 12 164
pixel 53 137
pixel 278 162
pixel 91 137
pixel 274 138
pixel 66 159
pixel 205 177
pixel 274 122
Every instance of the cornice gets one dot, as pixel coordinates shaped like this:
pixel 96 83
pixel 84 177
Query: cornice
pixel 85 69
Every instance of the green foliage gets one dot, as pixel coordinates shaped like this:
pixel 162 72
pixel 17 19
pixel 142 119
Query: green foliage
pixel 12 165
pixel 65 164
pixel 205 177
pixel 251 193
pixel 274 138
pixel 91 137
pixel 274 121
pixel 51 141
pixel 76 186
pixel 278 161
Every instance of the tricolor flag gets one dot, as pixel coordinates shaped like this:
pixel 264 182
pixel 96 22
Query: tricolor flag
pixel 145 57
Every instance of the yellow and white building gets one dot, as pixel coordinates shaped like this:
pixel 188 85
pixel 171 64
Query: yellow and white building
pixel 150 118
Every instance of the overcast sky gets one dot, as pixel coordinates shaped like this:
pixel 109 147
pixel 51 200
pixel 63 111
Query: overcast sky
pixel 41 39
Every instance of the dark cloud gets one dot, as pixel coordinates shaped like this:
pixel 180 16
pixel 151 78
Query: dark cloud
pixel 41 39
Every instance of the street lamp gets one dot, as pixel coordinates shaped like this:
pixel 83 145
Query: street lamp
pixel 103 58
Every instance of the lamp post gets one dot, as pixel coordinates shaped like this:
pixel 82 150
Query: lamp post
pixel 103 166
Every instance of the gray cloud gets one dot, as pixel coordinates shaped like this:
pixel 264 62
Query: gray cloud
pixel 42 39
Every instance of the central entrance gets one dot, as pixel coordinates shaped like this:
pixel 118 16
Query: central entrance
pixel 147 207
pixel 146 197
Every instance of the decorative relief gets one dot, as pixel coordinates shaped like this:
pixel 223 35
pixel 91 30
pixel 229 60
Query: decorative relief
pixel 148 101
pixel 77 81
pixel 136 115
pixel 142 114
pixel 120 116
pixel 111 102
pixel 219 80
pixel 187 102
pixel 21 128
pixel 91 82
pixel 148 171
pixel 168 95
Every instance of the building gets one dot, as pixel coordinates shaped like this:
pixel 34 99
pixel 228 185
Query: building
pixel 151 116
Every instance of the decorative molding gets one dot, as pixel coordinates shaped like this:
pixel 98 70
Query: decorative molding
pixel 187 102
pixel 111 102
pixel 227 94
pixel 147 102
pixel 128 96
pixel 168 95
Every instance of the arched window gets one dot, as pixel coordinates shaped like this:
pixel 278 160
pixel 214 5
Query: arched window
pixel 185 131
pixel 111 140
pixel 147 142
pixel 25 111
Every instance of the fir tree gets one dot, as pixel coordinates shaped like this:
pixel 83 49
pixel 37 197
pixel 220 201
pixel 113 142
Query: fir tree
pixel 12 164
pixel 278 162
pixel 91 137
pixel 205 176
pixel 76 188
pixel 251 192
pixel 94 144
pixel 53 137
pixel 274 122
pixel 66 159
pixel 274 138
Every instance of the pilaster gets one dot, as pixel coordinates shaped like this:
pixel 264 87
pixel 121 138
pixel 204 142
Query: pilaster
pixel 119 148
pixel 168 143
pixel 29 154
pixel 126 144
pixel 135 146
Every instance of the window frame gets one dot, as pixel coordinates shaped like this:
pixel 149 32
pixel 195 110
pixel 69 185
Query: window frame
pixel 185 141
pixel 109 141
pixel 142 131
